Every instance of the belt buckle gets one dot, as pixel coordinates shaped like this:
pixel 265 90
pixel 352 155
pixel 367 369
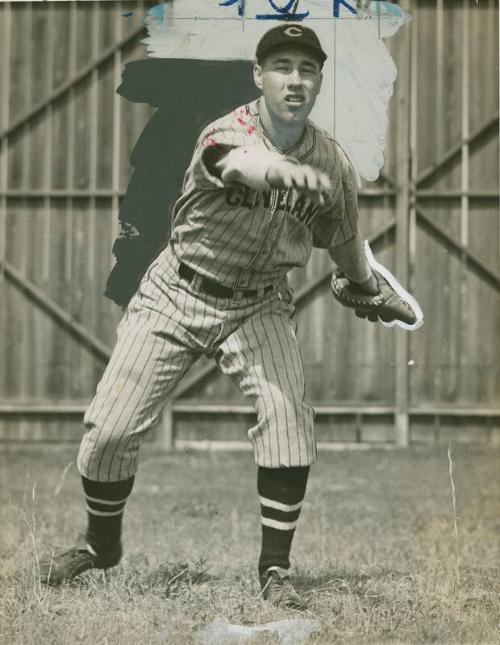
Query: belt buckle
pixel 260 292
pixel 197 282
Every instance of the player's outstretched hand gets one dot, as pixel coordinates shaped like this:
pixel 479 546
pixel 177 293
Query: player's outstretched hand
pixel 305 179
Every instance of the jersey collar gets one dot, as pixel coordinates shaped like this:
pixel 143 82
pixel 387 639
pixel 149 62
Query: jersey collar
pixel 301 149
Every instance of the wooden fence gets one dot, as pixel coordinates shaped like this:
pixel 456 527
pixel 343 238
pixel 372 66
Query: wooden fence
pixel 433 218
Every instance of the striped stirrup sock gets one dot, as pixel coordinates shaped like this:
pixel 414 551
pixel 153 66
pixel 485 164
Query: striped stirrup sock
pixel 105 507
pixel 281 492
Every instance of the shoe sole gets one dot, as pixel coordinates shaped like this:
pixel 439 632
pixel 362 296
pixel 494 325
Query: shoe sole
pixel 55 581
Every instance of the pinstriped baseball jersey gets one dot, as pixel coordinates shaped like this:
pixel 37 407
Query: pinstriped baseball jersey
pixel 246 238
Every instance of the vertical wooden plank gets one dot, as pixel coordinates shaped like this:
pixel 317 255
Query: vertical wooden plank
pixel 88 208
pixel 414 351
pixel 47 175
pixel 94 107
pixel 117 70
pixel 43 325
pixel 68 278
pixel 70 176
pixel 439 78
pixel 402 222
pixel 4 121
pixel 26 312
pixel 166 439
pixel 464 202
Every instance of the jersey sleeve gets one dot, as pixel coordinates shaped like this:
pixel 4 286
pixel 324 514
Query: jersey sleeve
pixel 228 154
pixel 214 143
pixel 339 222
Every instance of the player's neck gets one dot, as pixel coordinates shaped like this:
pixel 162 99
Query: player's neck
pixel 282 135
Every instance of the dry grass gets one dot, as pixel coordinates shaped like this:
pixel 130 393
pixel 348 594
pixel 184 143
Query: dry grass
pixel 375 550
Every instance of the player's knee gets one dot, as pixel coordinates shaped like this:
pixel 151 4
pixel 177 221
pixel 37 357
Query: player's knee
pixel 293 415
pixel 107 457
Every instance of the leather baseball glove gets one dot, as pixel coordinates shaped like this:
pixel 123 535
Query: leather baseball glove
pixel 387 305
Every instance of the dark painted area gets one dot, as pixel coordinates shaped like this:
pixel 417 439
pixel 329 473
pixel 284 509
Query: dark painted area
pixel 189 94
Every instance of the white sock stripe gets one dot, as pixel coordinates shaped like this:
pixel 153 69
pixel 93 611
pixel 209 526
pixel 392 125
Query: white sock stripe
pixel 275 524
pixel 92 511
pixel 278 506
pixel 105 501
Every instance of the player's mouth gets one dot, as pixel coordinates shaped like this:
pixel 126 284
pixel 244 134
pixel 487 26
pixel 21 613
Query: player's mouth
pixel 295 100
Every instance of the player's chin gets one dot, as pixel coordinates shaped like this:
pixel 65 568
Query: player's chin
pixel 294 114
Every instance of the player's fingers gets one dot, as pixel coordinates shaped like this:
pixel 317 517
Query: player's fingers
pixel 315 189
pixel 287 180
pixel 306 181
pixel 324 187
pixel 324 182
pixel 297 177
pixel 311 178
pixel 373 317
pixel 360 314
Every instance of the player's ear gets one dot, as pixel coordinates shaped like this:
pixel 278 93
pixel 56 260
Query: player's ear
pixel 320 82
pixel 257 75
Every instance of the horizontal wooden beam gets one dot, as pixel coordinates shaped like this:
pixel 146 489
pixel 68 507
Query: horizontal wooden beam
pixel 246 446
pixel 60 315
pixel 56 193
pixel 65 88
pixel 28 408
pixel 184 407
pixel 449 411
pixel 472 261
pixel 458 194
pixel 455 151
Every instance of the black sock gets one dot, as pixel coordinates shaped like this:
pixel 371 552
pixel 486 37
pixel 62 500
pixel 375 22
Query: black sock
pixel 281 492
pixel 105 506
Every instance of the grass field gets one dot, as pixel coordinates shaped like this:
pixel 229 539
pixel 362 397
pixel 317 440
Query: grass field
pixel 375 551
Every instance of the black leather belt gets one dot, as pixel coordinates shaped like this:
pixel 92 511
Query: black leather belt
pixel 213 288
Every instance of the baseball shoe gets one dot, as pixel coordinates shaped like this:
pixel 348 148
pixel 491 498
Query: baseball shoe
pixel 278 590
pixel 70 564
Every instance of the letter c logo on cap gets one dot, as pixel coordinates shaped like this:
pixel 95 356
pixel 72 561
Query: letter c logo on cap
pixel 293 31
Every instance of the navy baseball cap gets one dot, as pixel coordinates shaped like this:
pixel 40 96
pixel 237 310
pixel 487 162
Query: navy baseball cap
pixel 290 34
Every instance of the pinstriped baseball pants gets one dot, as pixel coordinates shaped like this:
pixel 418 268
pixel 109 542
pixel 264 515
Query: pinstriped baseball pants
pixel 168 325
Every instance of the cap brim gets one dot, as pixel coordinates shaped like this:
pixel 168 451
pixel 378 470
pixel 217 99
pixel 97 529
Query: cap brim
pixel 319 55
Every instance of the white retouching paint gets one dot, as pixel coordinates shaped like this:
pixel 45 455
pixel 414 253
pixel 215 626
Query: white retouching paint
pixel 358 76
pixel 399 289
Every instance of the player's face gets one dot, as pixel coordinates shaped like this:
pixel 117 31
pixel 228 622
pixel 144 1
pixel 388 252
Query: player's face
pixel 290 80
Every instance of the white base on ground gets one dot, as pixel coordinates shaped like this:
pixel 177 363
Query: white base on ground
pixel 291 631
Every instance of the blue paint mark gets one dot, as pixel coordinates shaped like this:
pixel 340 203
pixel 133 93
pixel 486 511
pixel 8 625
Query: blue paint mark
pixel 129 13
pixel 393 8
pixel 336 8
pixel 288 12
pixel 241 5
pixel 157 12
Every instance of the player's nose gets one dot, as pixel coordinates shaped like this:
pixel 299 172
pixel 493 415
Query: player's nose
pixel 294 78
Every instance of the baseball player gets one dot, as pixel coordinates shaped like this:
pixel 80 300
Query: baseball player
pixel 264 186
